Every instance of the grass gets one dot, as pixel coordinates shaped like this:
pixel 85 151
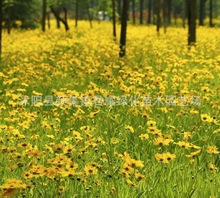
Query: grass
pixel 103 130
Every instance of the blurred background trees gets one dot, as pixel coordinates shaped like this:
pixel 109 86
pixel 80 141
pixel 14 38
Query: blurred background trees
pixel 172 12
pixel 28 14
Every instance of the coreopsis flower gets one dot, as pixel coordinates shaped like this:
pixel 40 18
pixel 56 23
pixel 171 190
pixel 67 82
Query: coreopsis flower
pixel 51 172
pixel 128 169
pixel 184 144
pixel 93 114
pixel 212 167
pixel 37 170
pixel 151 123
pixel 168 157
pixel 90 170
pixel 144 136
pixel 12 187
pixel 187 135
pixel 77 135
pixel 58 148
pixel 129 128
pixel 162 141
pixel 165 157
pixel 139 176
pixel 193 154
pixel 27 175
pixel 131 183
pixel 114 140
pixel 212 150
pixel 71 165
pixel 134 163
pixel 154 130
pixel 68 149
pixel 66 173
pixel 206 118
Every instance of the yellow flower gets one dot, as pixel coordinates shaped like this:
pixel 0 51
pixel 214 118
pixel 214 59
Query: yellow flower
pixel 93 114
pixel 165 157
pixel 129 128
pixel 90 170
pixel 128 169
pixel 139 176
pixel 151 123
pixel 61 189
pixel 206 118
pixel 168 157
pixel 68 149
pixel 35 93
pixel 212 150
pixel 114 140
pixel 27 175
pixel 193 154
pixel 144 136
pixel 14 183
pixel 154 130
pixel 187 135
pixel 131 183
pixel 212 167
pixel 184 144
pixel 162 141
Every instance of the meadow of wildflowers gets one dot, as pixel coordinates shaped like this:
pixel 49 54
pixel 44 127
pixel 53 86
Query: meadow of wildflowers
pixel 77 121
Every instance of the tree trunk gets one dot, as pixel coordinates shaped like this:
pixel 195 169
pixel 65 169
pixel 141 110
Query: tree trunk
pixel 141 11
pixel 114 19
pixel 119 9
pixel 9 20
pixel 57 19
pixel 48 20
pixel 210 13
pixel 158 21
pixel 154 11
pixel 64 21
pixel 149 11
pixel 89 15
pixel 76 13
pixel 165 15
pixel 184 12
pixel 191 7
pixel 44 10
pixel 1 4
pixel 169 10
pixel 201 12
pixel 123 28
pixel 133 11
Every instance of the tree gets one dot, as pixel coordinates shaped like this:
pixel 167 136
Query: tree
pixel 169 10
pixel 184 12
pixel 191 9
pixel 165 15
pixel 210 13
pixel 149 11
pixel 141 11
pixel 48 20
pixel 56 14
pixel 201 12
pixel 119 9
pixel 114 19
pixel 158 21
pixel 76 12
pixel 133 11
pixel 44 12
pixel 1 5
pixel 89 14
pixel 123 28
pixel 8 8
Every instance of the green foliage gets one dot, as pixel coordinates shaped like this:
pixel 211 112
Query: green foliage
pixel 23 11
